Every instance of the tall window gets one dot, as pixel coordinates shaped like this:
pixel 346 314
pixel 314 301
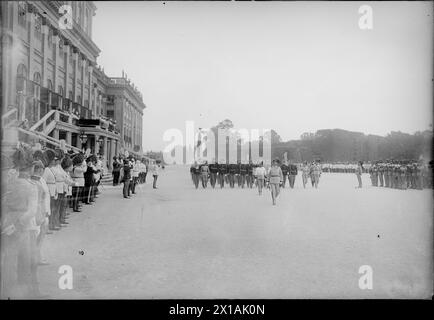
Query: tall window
pixel 38 28
pixel 60 91
pixel 86 20
pixel 49 85
pixel 21 77
pixel 50 38
pixel 22 14
pixel 61 48
pixel 37 81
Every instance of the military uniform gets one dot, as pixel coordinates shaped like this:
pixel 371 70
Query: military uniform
pixel 293 171
pixel 285 170
pixel 213 171
pixel 223 170
pixel 243 174
pixel 249 177
pixel 380 174
pixel 233 169
pixel 196 175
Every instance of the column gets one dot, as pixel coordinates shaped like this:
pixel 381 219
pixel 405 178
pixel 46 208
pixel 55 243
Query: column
pixel 97 146
pixel 68 137
pixel 92 90
pixel 75 72
pixel 56 62
pixel 83 65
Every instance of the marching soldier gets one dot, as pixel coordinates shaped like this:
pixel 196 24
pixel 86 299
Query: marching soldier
pixel 250 177
pixel 233 168
pixel 204 174
pixel 285 170
pixel 292 172
pixel 380 174
pixel 213 170
pixel 386 174
pixel 196 174
pixel 375 175
pixel 223 170
pixel 243 174
pixel 305 173
pixel 402 174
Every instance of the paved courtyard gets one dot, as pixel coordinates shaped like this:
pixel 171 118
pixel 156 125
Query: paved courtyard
pixel 178 242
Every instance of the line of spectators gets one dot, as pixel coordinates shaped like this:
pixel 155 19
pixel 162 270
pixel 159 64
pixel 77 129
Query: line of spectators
pixel 39 189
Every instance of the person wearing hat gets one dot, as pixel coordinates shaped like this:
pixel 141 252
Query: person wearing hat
pixel 59 174
pixel 260 174
pixel 359 172
pixel 213 171
pixel 50 179
pixel 67 167
pixel 305 173
pixel 204 174
pixel 292 173
pixel 126 179
pixel 316 173
pixel 89 180
pixel 116 171
pixel 43 204
pixel 79 166
pixel 135 175
pixel 285 170
pixel 19 230
pixel 275 179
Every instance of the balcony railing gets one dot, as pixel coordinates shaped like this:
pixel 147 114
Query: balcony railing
pixel 35 101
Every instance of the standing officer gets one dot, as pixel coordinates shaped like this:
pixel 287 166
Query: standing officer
pixel 223 170
pixel 305 173
pixel 196 174
pixel 408 174
pixel 213 171
pixel 232 173
pixel 380 173
pixel 293 171
pixel 243 174
pixel 249 177
pixel 204 173
pixel 285 169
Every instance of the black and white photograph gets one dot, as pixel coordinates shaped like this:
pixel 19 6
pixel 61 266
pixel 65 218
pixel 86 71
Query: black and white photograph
pixel 171 150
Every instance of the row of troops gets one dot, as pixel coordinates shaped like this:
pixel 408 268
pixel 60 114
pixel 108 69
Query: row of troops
pixel 37 192
pixel 402 174
pixel 246 174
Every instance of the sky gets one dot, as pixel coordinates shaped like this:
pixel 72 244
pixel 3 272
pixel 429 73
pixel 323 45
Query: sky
pixel 293 67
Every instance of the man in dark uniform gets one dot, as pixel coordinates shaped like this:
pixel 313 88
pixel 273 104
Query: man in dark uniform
pixel 380 173
pixel 249 176
pixel 196 174
pixel 243 174
pixel 293 171
pixel 223 170
pixel 386 174
pixel 285 169
pixel 213 171
pixel 238 173
pixel 408 174
pixel 233 168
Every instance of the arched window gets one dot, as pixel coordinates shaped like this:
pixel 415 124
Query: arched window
pixel 49 85
pixel 60 90
pixel 22 13
pixel 22 71
pixel 37 81
pixel 21 77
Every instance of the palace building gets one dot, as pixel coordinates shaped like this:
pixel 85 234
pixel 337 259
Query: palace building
pixel 53 91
